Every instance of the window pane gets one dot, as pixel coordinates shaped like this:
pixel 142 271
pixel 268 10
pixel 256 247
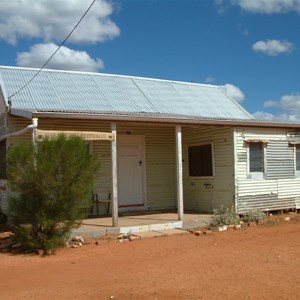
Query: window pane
pixel 256 157
pixel 297 157
pixel 200 161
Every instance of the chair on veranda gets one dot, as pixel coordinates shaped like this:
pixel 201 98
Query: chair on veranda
pixel 101 195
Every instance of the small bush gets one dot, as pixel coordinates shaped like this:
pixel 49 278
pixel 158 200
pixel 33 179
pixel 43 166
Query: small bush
pixel 253 216
pixel 224 216
pixel 52 185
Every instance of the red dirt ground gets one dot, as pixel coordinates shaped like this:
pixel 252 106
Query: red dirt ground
pixel 255 263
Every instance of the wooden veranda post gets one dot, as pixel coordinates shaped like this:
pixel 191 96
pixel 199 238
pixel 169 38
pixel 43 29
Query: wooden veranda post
pixel 179 172
pixel 114 175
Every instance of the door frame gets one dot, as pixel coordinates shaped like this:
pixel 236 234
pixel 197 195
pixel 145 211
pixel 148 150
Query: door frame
pixel 143 205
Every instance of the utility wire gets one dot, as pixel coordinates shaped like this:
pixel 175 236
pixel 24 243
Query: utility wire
pixel 61 44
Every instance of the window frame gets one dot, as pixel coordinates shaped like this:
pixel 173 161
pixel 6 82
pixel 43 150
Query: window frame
pixel 261 174
pixel 297 172
pixel 212 160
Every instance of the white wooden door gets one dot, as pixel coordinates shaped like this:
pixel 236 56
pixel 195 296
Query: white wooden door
pixel 131 170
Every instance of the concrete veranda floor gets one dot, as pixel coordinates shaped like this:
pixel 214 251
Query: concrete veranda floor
pixel 140 222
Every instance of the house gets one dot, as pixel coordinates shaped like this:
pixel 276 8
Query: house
pixel 163 144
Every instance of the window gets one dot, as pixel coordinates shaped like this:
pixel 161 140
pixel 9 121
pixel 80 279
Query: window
pixel 256 157
pixel 297 158
pixel 200 160
pixel 3 159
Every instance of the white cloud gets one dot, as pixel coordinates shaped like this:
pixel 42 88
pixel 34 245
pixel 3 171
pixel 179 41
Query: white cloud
pixel 269 6
pixel 210 79
pixel 234 92
pixel 261 115
pixel 270 103
pixel 64 59
pixel 263 6
pixel 288 109
pixel 290 103
pixel 52 20
pixel 273 47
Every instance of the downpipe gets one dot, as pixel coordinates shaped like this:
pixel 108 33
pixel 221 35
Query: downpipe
pixel 19 132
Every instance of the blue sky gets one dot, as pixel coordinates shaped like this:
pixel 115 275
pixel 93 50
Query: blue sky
pixel 250 47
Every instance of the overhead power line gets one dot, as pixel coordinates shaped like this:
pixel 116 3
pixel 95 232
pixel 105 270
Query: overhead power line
pixel 48 60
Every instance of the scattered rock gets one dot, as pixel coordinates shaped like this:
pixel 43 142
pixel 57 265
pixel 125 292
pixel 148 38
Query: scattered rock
pixel 39 252
pixel 238 226
pixel 198 233
pixel 207 232
pixel 134 238
pixel 123 240
pixel 222 228
pixel 286 219
pixel 74 246
pixel 78 238
pixel 252 224
pixel 67 244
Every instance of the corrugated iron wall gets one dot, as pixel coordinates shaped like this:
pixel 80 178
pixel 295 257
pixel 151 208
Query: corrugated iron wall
pixel 207 193
pixel 160 163
pixel 280 188
pixel 280 160
pixel 3 195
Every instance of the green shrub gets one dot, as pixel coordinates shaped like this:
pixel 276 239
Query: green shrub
pixel 52 184
pixel 224 216
pixel 253 216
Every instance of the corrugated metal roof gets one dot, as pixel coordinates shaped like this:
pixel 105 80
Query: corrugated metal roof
pixel 78 92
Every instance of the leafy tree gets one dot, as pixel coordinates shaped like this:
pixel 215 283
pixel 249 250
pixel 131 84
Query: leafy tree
pixel 52 184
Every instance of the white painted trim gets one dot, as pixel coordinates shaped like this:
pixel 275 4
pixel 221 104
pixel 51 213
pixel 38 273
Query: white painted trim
pixel 235 171
pixel 114 175
pixel 161 118
pixel 179 173
pixel 256 175
pixel 297 172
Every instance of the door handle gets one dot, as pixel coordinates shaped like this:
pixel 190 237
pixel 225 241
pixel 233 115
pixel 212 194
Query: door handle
pixel 140 163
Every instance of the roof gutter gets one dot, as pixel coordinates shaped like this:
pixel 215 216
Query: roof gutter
pixel 166 120
pixel 19 132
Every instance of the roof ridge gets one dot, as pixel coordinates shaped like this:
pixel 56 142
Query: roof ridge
pixel 111 75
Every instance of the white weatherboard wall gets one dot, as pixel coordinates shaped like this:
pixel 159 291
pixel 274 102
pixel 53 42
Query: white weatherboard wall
pixel 160 181
pixel 207 193
pixel 280 188
pixel 160 163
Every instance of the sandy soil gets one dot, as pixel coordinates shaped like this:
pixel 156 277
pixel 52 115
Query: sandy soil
pixel 255 263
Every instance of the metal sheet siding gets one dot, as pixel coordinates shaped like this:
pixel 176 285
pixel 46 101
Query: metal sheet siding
pixel 280 160
pixel 3 128
pixel 207 193
pixel 160 155
pixel 280 189
pixel 160 163
pixel 3 196
pixel 63 91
